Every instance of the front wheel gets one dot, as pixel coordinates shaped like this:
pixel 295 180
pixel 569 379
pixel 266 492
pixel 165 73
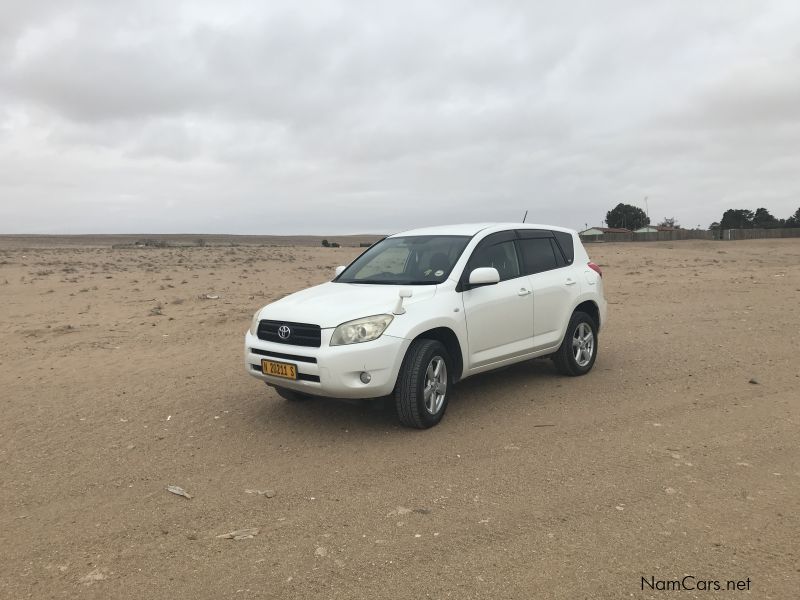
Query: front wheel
pixel 578 351
pixel 424 384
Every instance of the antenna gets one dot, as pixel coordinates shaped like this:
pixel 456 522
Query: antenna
pixel 525 217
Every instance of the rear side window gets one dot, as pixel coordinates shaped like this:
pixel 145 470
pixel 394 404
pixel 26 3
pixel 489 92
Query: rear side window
pixel 539 254
pixel 565 241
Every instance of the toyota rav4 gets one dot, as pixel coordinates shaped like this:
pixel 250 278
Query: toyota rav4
pixel 421 310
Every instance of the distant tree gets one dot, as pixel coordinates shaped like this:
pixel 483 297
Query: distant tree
pixel 737 219
pixel 326 243
pixel 714 225
pixel 763 218
pixel 627 216
pixel 794 220
pixel 334 244
pixel 669 222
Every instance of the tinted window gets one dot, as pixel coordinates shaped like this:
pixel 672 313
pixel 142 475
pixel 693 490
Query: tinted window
pixel 538 254
pixel 502 257
pixel 565 241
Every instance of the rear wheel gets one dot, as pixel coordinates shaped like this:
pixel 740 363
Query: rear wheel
pixel 423 385
pixel 578 351
pixel 291 395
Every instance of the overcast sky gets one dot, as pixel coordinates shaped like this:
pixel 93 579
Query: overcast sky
pixel 368 116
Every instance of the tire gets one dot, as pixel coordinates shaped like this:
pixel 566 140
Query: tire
pixel 416 377
pixel 578 351
pixel 291 395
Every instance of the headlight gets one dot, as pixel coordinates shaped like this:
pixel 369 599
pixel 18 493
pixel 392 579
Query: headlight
pixel 254 323
pixel 360 330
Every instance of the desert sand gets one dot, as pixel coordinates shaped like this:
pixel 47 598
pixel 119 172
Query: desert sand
pixel 678 455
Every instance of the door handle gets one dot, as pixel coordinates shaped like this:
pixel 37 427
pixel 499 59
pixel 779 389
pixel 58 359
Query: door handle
pixel 523 292
pixel 571 281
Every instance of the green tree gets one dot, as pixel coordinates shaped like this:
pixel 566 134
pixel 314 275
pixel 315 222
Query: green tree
pixel 737 219
pixel 627 217
pixel 326 243
pixel 763 218
pixel 794 220
pixel 669 222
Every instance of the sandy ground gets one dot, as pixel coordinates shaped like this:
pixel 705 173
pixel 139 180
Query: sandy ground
pixel 118 379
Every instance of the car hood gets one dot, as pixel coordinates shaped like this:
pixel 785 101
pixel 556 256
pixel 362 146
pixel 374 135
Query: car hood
pixel 332 304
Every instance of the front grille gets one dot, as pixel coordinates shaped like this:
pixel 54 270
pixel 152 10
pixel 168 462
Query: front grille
pixel 301 334
pixel 295 357
pixel 300 376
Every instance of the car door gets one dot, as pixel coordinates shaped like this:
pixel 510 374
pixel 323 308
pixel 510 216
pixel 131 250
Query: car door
pixel 499 317
pixel 554 285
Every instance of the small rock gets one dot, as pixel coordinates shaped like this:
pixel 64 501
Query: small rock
pixel 240 534
pixel 93 577
pixel 267 493
pixel 754 381
pixel 178 491
pixel 320 551
pixel 400 510
pixel 670 490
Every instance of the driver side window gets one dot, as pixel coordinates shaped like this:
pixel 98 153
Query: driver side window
pixel 501 256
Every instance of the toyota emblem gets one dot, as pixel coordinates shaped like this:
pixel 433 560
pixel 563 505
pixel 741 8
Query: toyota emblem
pixel 284 332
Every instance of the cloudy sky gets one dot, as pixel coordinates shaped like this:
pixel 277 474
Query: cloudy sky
pixel 370 116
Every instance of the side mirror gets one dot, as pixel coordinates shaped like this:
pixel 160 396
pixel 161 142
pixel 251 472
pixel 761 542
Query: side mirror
pixel 402 294
pixel 339 270
pixel 484 276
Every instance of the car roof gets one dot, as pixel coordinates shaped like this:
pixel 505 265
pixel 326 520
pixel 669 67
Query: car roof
pixel 471 229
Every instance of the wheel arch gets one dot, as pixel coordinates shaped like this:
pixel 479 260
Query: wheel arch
pixel 449 339
pixel 591 308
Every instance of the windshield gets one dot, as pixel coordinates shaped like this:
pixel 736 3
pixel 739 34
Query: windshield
pixel 412 260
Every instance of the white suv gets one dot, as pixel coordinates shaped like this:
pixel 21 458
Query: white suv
pixel 421 310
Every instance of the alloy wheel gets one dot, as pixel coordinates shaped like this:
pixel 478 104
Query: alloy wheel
pixel 435 388
pixel 583 344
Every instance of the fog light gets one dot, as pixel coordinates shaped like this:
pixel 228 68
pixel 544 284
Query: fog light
pixel 365 377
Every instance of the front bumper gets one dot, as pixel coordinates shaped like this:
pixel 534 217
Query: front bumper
pixel 332 371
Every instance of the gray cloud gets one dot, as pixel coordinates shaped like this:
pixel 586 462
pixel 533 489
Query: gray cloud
pixel 377 116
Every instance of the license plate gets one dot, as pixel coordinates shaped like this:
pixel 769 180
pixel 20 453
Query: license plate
pixel 279 369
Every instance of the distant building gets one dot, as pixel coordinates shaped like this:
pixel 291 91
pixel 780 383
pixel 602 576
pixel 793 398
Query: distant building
pixel 591 232
pixel 595 234
pixel 653 229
